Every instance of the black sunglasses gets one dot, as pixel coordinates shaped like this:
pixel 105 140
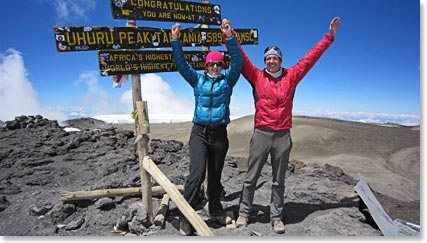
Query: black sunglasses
pixel 212 64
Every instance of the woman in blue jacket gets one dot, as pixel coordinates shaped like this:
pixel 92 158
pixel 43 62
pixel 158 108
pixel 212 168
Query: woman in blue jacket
pixel 208 140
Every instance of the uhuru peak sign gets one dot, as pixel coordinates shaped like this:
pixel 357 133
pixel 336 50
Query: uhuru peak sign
pixel 113 62
pixel 167 10
pixel 78 38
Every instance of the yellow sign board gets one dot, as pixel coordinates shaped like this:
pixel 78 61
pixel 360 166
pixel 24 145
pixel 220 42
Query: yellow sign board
pixel 167 10
pixel 113 62
pixel 79 38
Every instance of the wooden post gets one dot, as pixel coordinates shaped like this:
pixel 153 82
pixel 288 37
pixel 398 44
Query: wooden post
pixel 205 48
pixel 142 143
pixel 185 208
pixel 143 129
pixel 143 120
pixel 136 83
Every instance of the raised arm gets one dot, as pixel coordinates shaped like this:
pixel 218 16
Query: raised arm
pixel 304 65
pixel 236 57
pixel 188 72
pixel 249 70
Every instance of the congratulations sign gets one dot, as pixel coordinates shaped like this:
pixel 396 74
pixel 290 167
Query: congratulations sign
pixel 167 10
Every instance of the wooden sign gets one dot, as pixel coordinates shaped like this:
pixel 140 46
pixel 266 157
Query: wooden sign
pixel 167 10
pixel 79 38
pixel 113 62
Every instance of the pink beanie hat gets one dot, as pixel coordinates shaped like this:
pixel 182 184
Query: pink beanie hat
pixel 214 56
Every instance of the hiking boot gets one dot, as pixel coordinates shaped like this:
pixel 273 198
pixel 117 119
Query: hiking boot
pixel 185 228
pixel 241 222
pixel 278 226
pixel 222 219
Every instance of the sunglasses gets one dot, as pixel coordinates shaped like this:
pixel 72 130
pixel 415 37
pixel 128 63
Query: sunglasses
pixel 272 47
pixel 212 64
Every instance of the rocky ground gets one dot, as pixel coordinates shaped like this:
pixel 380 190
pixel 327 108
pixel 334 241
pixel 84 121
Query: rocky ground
pixel 39 160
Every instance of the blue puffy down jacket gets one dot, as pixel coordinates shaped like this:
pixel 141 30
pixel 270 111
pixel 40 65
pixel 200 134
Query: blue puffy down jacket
pixel 212 95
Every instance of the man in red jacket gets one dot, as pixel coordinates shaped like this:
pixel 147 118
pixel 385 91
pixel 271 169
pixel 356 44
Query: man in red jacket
pixel 273 90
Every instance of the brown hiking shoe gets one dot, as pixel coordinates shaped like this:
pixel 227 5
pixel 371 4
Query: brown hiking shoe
pixel 241 221
pixel 278 226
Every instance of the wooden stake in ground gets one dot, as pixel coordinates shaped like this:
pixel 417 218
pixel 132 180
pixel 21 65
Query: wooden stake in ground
pixel 159 220
pixel 199 225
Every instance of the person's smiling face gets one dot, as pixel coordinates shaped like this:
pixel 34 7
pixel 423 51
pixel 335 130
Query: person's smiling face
pixel 214 68
pixel 273 63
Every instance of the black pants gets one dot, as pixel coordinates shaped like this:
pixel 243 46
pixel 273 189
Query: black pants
pixel 208 147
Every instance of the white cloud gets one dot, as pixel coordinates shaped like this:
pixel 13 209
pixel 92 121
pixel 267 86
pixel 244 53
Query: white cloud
pixel 71 10
pixel 96 100
pixel 71 111
pixel 160 97
pixel 402 119
pixel 163 104
pixel 17 95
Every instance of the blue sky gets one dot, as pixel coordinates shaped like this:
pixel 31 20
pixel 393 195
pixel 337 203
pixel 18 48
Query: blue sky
pixel 370 73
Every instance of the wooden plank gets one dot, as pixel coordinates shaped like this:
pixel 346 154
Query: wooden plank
pixel 159 220
pixel 121 192
pixel 185 208
pixel 383 220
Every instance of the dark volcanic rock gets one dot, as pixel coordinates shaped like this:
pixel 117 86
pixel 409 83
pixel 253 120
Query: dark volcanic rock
pixel 40 210
pixel 39 160
pixel 86 123
pixel 4 203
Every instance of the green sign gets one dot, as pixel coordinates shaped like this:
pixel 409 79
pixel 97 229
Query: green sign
pixel 79 38
pixel 167 10
pixel 113 62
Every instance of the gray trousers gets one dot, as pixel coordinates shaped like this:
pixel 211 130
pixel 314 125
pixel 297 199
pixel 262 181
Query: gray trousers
pixel 264 142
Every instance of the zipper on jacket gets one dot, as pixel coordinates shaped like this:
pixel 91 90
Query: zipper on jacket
pixel 211 99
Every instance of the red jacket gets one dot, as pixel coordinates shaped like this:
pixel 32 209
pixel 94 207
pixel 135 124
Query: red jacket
pixel 273 97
